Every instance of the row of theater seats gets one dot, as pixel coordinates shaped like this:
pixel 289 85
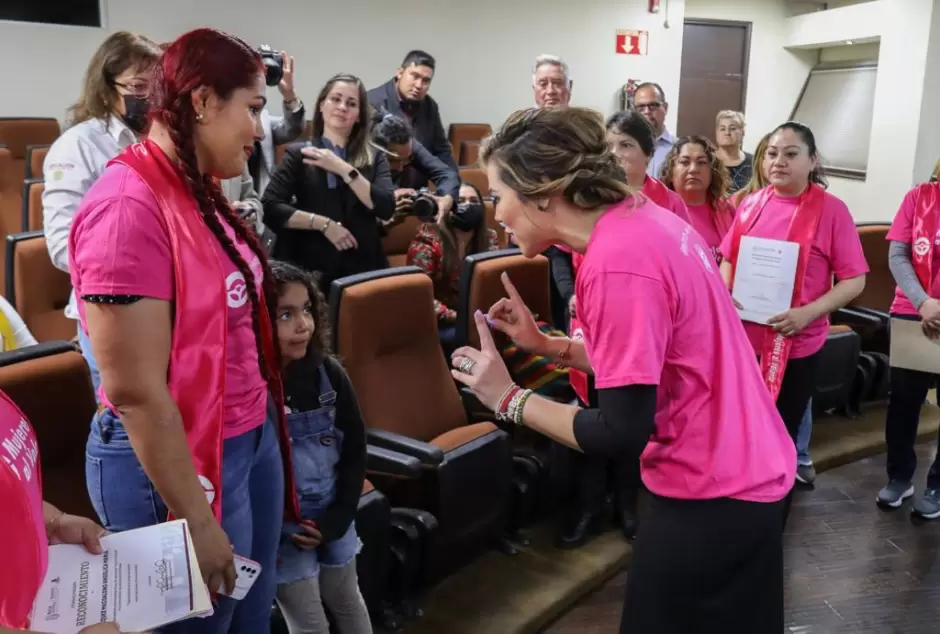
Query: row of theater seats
pixel 444 484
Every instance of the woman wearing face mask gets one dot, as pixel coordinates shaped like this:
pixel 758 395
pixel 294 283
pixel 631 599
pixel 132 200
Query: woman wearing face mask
pixel 729 133
pixel 795 207
pixel 692 169
pixel 192 423
pixel 439 248
pixel 325 217
pixel 110 114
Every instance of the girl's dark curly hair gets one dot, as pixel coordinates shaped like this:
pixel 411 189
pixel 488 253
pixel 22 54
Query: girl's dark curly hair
pixel 284 274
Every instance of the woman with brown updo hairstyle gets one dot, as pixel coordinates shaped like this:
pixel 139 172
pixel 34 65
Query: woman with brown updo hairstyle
pixel 677 386
pixel 693 170
pixel 172 287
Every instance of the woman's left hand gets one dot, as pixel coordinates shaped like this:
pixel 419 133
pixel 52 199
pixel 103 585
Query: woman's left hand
pixel 483 370
pixel 791 322
pixel 72 529
pixel 325 160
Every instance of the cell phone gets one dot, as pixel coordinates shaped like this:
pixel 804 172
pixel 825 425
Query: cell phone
pixel 246 573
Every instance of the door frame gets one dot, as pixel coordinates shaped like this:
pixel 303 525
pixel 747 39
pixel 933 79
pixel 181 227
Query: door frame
pixel 748 26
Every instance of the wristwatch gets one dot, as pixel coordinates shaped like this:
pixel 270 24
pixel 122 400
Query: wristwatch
pixel 353 175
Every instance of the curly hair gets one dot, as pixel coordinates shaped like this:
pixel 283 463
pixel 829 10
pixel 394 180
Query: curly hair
pixel 720 180
pixel 557 152
pixel 206 57
pixel 283 274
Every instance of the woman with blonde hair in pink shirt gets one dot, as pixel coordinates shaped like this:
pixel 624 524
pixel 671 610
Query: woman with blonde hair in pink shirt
pixel 677 386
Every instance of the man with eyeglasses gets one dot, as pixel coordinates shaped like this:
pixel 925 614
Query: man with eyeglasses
pixel 650 101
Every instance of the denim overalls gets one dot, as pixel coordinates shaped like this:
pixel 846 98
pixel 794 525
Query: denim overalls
pixel 316 445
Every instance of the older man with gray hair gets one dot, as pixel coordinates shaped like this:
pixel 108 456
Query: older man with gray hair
pixel 551 82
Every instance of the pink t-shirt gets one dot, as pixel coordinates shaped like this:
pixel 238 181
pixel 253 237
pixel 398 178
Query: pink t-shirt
pixel 902 230
pixel 702 219
pixel 119 246
pixel 672 201
pixel 837 251
pixel 23 542
pixel 654 311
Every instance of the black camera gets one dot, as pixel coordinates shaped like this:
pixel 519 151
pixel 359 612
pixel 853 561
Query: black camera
pixel 273 65
pixel 424 205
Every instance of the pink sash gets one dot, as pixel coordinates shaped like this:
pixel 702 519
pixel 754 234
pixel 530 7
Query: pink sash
pixel 775 350
pixel 23 542
pixel 197 358
pixel 925 233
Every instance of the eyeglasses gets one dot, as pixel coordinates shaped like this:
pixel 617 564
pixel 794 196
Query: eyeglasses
pixel 138 89
pixel 650 107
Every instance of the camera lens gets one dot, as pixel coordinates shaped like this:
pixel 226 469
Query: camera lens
pixel 424 208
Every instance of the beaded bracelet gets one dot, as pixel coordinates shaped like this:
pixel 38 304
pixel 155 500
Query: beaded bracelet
pixel 503 404
pixel 516 405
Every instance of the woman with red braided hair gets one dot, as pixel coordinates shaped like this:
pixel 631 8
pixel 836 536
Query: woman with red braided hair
pixel 172 289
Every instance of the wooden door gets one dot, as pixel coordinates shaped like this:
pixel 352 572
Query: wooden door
pixel 714 73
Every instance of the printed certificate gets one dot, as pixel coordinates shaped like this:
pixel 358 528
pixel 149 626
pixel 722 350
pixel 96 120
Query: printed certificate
pixel 764 277
pixel 144 579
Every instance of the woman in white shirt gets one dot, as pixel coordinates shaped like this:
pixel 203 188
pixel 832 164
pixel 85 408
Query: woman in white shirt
pixel 110 114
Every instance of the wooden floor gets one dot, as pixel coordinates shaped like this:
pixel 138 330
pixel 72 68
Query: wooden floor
pixel 850 567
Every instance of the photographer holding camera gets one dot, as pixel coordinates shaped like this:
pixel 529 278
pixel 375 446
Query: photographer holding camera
pixel 412 167
pixel 279 71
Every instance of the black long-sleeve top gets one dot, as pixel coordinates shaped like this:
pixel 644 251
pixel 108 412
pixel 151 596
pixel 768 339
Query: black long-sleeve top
pixel 621 425
pixel 302 392
pixel 295 186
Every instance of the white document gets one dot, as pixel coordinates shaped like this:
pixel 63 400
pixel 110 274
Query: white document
pixel 911 349
pixel 764 277
pixel 144 579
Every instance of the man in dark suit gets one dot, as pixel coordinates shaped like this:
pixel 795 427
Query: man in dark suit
pixel 406 96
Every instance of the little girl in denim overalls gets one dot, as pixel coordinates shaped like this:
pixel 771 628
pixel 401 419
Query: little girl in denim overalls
pixel 317 558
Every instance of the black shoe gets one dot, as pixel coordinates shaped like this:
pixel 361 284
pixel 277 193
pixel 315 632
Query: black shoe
pixel 629 522
pixel 576 533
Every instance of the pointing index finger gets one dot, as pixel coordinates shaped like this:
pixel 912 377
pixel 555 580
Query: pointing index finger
pixel 510 288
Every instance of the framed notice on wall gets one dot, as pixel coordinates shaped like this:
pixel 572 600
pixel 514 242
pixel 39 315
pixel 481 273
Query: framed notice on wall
pixel 627 92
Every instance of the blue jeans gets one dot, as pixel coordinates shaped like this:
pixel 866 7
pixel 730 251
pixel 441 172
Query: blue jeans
pixel 316 447
pixel 85 345
pixel 252 511
pixel 803 436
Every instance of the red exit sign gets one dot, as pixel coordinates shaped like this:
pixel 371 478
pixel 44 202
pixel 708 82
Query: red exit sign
pixel 632 42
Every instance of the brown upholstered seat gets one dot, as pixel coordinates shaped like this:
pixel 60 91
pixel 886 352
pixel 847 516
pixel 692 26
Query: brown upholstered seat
pixel 469 153
pixel 476 176
pixel 879 283
pixel 398 239
pixel 31 215
pixel 460 133
pixel 481 287
pixel 17 134
pixel 38 290
pixel 35 157
pixel 51 384
pixel 385 332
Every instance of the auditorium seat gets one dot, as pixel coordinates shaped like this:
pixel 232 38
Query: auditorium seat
pixel 466 132
pixel 481 287
pixel 476 176
pixel 469 153
pixel 838 364
pixel 385 331
pixel 399 237
pixel 37 289
pixel 879 283
pixel 51 384
pixel 393 563
pixel 17 134
pixel 31 214
pixel 35 157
